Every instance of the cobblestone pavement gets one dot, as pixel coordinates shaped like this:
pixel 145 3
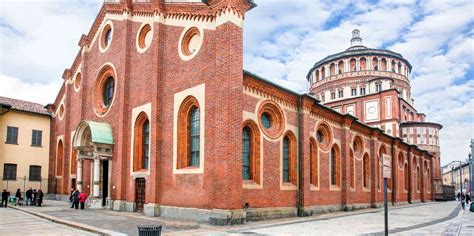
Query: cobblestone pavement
pixel 14 222
pixel 121 222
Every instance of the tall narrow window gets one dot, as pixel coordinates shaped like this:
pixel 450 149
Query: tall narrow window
pixel 286 161
pixel 419 176
pixel 352 171
pixel 12 135
pixel 362 91
pixel 59 158
pixel 36 137
pixel 314 171
pixel 146 144
pixel 366 171
pixel 246 154
pixel 194 137
pixel 333 166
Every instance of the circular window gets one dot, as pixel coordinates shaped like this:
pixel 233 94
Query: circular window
pixel 104 90
pixel 77 81
pixel 266 123
pixel 271 119
pixel 357 146
pixel 106 37
pixel 190 43
pixel 144 37
pixel 61 111
pixel 324 136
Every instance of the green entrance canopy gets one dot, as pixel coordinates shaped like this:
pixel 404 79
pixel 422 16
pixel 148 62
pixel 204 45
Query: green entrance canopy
pixel 100 132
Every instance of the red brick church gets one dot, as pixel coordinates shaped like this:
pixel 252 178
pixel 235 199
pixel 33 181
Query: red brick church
pixel 157 115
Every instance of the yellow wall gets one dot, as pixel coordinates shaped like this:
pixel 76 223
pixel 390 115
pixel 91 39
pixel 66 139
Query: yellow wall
pixel 23 154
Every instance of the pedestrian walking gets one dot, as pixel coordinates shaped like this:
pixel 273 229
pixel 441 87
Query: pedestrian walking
pixel 29 197
pixel 468 198
pixel 5 196
pixel 35 194
pixel 75 199
pixel 40 197
pixel 70 196
pixel 82 199
pixel 463 201
pixel 17 197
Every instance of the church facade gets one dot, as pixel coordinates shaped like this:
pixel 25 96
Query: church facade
pixel 156 115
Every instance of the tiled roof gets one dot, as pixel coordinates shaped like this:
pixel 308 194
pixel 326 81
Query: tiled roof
pixel 21 105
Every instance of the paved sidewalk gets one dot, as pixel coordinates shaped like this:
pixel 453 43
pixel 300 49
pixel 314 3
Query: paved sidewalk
pixel 111 221
pixel 15 223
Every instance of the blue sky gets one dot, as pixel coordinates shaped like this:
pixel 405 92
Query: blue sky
pixel 282 40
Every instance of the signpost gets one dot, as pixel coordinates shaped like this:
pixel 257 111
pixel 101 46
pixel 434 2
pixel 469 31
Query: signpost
pixel 387 173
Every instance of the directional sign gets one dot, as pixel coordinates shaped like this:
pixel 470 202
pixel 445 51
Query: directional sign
pixel 387 170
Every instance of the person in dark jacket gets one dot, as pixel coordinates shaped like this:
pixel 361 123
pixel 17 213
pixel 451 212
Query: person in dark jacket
pixel 75 199
pixel 17 197
pixel 5 196
pixel 40 197
pixel 29 196
pixel 34 197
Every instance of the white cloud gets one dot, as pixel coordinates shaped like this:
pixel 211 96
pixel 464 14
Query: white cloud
pixel 38 92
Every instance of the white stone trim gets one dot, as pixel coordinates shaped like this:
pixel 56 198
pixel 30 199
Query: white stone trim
pixel 146 108
pixel 103 49
pixel 70 153
pixel 79 71
pixel 116 80
pixel 181 54
pixel 199 93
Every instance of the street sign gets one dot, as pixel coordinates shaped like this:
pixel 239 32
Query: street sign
pixel 387 170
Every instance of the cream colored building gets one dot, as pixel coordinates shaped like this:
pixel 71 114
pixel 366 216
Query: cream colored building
pixel 451 175
pixel 24 145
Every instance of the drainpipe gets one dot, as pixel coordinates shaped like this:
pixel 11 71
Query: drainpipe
pixel 409 175
pixel 393 173
pixel 299 200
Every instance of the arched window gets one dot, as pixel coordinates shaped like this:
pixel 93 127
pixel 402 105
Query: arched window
pixel 286 160
pixel 289 172
pixel 382 151
pixel 317 75
pixel 250 152
pixel 352 170
pixel 335 166
pixel 363 63
pixel 59 158
pixel 246 155
pixel 193 133
pixel 400 68
pixel 332 69
pixel 189 131
pixel 375 63
pixel 383 64
pixel 323 73
pixel 340 66
pixel 141 146
pixel 366 169
pixel 428 180
pixel 352 64
pixel 405 173
pixel 418 179
pixel 393 66
pixel 108 92
pixel 314 162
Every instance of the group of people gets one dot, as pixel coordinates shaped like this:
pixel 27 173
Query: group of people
pixel 465 198
pixel 77 198
pixel 33 197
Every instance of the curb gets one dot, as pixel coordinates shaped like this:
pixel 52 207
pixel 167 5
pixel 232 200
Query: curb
pixel 72 224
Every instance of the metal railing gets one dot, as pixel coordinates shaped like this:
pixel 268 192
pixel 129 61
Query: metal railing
pixel 24 184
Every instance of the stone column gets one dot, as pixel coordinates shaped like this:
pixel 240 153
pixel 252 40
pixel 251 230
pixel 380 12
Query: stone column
pixel 96 177
pixel 79 175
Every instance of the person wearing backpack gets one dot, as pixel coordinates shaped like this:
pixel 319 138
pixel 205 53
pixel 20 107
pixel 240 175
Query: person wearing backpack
pixel 463 201
pixel 75 199
pixel 82 199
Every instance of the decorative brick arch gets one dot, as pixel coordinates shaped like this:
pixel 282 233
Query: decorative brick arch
pixel 255 159
pixel 139 160
pixel 106 73
pixel 352 170
pixel 323 129
pixel 382 150
pixel 357 146
pixel 277 119
pixel 188 104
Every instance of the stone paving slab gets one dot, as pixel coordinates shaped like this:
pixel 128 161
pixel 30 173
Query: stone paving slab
pixel 15 223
